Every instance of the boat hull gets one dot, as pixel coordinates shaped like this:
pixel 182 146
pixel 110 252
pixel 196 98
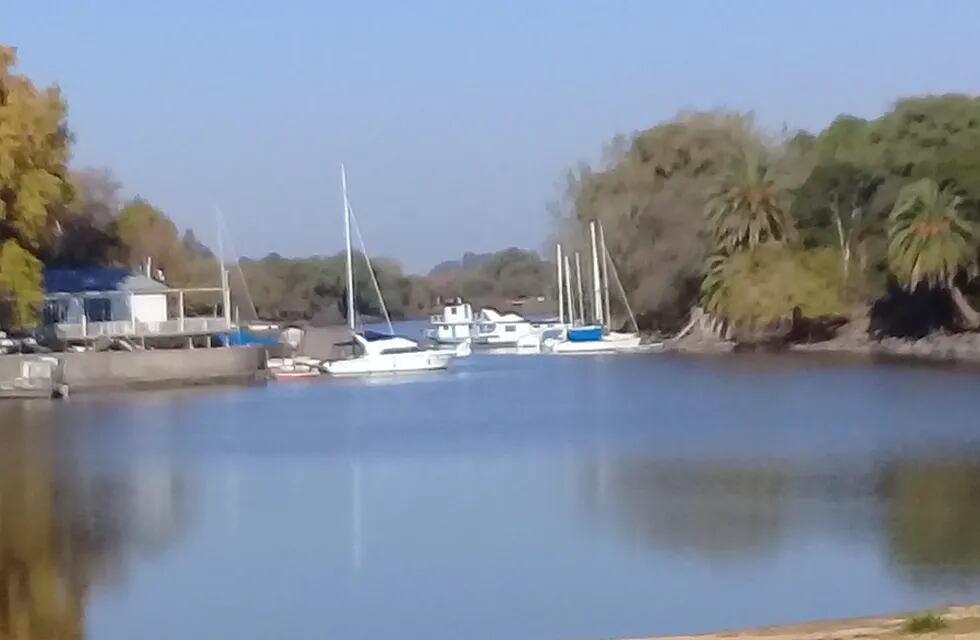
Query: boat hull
pixel 612 343
pixel 381 364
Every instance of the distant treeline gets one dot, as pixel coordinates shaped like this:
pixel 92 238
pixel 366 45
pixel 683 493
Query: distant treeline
pixel 868 215
pixel 315 288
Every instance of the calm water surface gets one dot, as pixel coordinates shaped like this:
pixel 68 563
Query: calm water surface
pixel 515 497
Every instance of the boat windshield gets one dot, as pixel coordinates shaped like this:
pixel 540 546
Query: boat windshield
pixel 394 350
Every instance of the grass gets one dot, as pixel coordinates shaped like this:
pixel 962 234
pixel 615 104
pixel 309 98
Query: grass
pixel 925 622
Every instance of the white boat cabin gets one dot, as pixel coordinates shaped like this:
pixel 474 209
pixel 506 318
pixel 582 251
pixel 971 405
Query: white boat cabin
pixel 495 328
pixel 454 325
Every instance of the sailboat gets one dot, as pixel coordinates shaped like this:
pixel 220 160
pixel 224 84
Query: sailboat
pixel 376 352
pixel 595 337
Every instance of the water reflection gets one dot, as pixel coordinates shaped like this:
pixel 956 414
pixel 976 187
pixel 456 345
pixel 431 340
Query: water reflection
pixel 719 509
pixel 925 513
pixel 932 515
pixel 64 533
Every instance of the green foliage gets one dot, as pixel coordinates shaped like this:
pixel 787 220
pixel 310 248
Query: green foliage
pixel 34 148
pixel 925 623
pixel 20 282
pixel 494 278
pixel 650 200
pixel 758 287
pixel 315 288
pixel 929 242
pixel 680 197
pixel 745 209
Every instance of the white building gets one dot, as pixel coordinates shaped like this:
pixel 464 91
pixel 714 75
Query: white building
pixel 81 304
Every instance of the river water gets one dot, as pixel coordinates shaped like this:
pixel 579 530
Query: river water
pixel 515 497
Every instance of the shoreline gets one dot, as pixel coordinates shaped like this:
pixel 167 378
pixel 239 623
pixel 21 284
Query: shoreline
pixel 961 621
pixel 937 348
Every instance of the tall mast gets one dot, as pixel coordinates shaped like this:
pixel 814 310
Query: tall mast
pixel 568 290
pixel 561 297
pixel 578 285
pixel 350 269
pixel 596 282
pixel 605 276
pixel 225 289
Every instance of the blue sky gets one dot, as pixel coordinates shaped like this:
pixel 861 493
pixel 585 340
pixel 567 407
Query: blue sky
pixel 456 119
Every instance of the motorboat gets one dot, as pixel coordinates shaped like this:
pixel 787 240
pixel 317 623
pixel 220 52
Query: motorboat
pixel 375 352
pixel 381 353
pixel 455 325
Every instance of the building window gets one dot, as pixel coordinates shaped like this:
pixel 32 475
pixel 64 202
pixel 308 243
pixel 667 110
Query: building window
pixel 98 309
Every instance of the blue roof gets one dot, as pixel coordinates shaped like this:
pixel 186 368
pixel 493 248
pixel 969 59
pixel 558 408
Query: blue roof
pixel 97 279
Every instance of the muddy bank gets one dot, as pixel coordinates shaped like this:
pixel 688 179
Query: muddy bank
pixel 960 347
pixel 960 622
pixel 853 339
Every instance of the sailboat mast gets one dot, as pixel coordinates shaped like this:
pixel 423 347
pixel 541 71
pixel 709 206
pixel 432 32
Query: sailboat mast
pixel 578 285
pixel 596 282
pixel 350 269
pixel 561 297
pixel 605 276
pixel 568 291
pixel 223 272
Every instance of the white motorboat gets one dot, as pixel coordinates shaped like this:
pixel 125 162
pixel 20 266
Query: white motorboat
pixel 496 329
pixel 382 353
pixel 454 326
pixel 377 353
pixel 489 328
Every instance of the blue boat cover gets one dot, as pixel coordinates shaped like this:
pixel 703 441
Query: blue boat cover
pixel 244 338
pixel 591 333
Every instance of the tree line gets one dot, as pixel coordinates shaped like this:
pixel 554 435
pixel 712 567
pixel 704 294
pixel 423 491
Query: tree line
pixel 867 217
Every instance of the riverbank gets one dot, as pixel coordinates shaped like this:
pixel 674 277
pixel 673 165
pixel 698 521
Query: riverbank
pixel 957 622
pixel 851 340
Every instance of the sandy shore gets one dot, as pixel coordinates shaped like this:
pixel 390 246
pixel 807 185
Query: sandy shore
pixel 961 622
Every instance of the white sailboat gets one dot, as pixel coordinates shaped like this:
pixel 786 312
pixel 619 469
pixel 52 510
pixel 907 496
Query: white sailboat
pixel 376 352
pixel 596 337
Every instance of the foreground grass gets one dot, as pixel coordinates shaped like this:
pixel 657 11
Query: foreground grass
pixel 953 622
pixel 925 623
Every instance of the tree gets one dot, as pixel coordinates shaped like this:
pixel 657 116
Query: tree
pixel 85 228
pixel 145 232
pixel 754 289
pixel 19 278
pixel 650 199
pixel 34 148
pixel 930 243
pixel 746 208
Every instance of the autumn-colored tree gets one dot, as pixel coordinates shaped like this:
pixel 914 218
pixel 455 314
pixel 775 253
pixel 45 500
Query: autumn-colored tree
pixel 34 149
pixel 145 232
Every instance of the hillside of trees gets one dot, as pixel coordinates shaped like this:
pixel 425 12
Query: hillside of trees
pixel 866 217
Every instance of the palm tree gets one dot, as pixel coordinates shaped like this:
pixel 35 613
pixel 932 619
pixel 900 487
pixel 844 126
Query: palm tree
pixel 713 284
pixel 930 243
pixel 745 209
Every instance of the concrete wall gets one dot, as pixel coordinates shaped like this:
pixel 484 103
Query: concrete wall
pixel 108 369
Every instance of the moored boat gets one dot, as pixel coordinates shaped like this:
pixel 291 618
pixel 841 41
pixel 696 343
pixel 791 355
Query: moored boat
pixel 375 352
